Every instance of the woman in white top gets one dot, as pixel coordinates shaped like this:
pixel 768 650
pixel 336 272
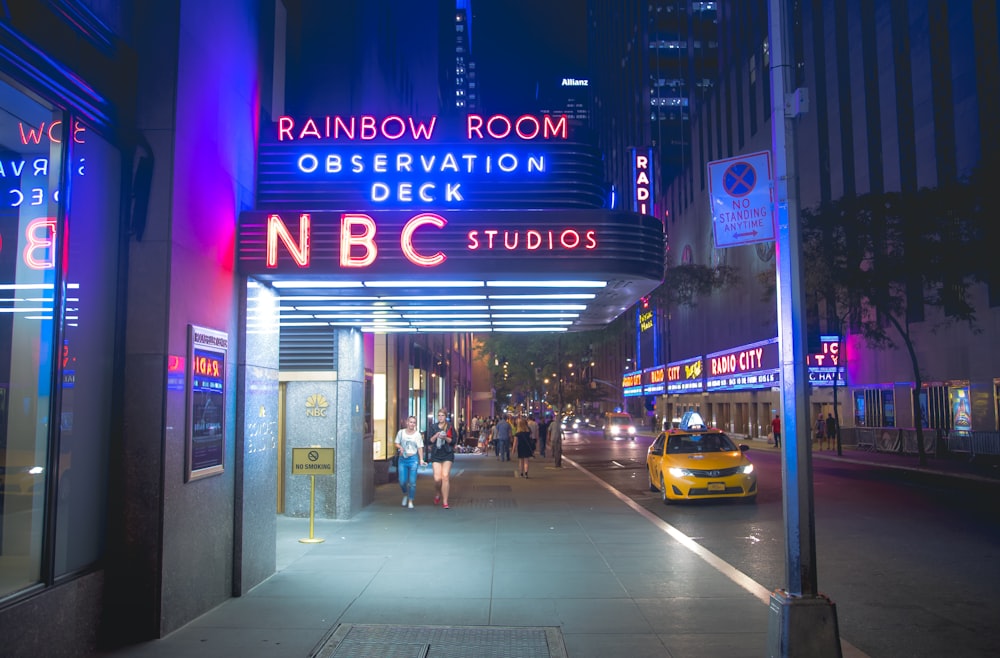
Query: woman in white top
pixel 410 447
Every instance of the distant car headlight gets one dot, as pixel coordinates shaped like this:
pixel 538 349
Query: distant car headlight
pixel 748 469
pixel 679 472
pixel 631 429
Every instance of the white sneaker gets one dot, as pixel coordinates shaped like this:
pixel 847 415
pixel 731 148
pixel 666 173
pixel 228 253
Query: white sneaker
pixel 405 500
pixel 410 505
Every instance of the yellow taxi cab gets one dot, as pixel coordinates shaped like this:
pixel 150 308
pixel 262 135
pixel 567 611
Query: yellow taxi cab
pixel 694 462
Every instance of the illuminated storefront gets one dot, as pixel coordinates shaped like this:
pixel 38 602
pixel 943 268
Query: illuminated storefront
pixel 408 225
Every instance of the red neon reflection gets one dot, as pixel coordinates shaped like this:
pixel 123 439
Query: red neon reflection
pixel 46 243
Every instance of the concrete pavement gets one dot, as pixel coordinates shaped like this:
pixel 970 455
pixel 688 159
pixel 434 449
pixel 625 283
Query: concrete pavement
pixel 554 565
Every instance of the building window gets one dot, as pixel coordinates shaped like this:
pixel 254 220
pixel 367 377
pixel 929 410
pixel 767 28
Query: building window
pixel 57 333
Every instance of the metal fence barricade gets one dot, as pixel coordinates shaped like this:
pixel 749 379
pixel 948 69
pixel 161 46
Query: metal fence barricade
pixel 865 438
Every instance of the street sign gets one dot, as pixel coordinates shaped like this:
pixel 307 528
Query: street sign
pixel 740 194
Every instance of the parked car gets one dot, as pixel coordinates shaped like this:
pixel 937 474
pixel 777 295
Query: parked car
pixel 694 462
pixel 619 425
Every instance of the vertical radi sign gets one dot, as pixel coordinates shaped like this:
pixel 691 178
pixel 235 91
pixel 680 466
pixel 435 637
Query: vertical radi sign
pixel 642 180
pixel 206 396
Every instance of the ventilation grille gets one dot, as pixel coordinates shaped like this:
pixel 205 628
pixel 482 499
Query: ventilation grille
pixel 307 349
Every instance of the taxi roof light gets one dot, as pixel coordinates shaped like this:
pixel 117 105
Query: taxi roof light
pixel 692 420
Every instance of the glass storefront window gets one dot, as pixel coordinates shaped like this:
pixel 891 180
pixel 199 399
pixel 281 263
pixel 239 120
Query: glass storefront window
pixel 87 352
pixel 58 312
pixel 30 161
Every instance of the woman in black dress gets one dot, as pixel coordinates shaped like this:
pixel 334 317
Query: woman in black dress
pixel 442 457
pixel 522 444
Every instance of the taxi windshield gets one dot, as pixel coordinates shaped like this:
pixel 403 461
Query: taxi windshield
pixel 689 443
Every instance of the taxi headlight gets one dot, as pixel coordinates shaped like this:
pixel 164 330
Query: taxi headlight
pixel 678 472
pixel 748 469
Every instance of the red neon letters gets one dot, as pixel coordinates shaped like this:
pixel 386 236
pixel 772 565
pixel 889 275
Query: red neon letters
pixel 359 247
pixel 367 127
pixel 357 232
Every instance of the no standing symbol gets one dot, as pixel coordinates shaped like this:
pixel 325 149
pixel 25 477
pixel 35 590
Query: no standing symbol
pixel 740 195
pixel 739 179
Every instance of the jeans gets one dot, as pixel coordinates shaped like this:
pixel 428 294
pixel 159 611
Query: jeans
pixel 541 444
pixel 504 449
pixel 407 470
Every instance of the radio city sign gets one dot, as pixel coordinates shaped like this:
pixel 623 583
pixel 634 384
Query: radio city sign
pixel 686 376
pixel 826 368
pixel 395 161
pixel 749 366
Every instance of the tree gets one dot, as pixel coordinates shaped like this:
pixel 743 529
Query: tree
pixel 683 284
pixel 519 362
pixel 877 260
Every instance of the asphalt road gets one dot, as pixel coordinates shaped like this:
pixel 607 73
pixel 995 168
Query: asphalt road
pixel 911 564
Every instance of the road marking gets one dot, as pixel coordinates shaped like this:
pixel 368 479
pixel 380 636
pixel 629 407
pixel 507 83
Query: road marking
pixel 729 571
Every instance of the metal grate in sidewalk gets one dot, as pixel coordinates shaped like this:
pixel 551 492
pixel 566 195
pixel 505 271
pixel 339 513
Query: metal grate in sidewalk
pixel 395 641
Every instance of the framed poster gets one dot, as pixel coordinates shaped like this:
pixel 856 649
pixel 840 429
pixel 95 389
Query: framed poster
pixel 206 397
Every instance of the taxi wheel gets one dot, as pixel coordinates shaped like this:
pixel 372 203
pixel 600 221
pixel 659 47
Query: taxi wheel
pixel 663 491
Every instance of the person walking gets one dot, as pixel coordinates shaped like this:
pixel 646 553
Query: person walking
pixel 503 433
pixel 522 446
pixel 555 440
pixel 543 435
pixel 533 428
pixel 820 429
pixel 442 457
pixel 410 448
pixel 776 430
pixel 484 437
pixel 831 430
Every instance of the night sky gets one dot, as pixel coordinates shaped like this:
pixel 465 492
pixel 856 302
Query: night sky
pixel 517 43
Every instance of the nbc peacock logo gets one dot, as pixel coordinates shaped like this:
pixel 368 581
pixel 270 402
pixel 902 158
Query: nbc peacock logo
pixel 316 405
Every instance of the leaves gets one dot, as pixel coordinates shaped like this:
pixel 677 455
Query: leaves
pixel 683 284
pixel 877 260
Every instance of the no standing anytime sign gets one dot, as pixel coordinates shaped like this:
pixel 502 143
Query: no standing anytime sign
pixel 740 194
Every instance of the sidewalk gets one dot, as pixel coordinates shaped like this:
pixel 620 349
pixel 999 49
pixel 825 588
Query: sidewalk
pixel 553 565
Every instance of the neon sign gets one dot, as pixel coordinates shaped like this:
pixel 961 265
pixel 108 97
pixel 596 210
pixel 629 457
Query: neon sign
pixel 53 133
pixel 748 366
pixel 645 321
pixel 632 384
pixel 654 380
pixel 642 181
pixel 685 376
pixel 479 161
pixel 367 128
pixel 359 247
pixel 825 368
